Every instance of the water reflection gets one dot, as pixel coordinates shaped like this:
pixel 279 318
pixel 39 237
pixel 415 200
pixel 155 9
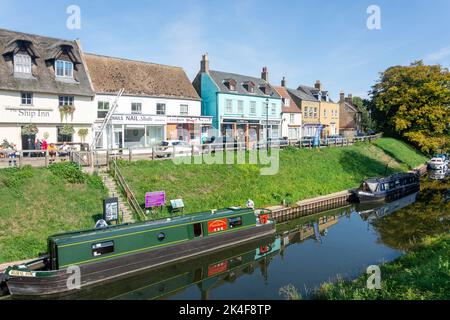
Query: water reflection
pixel 306 252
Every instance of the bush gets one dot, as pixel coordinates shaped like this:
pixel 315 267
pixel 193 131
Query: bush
pixel 69 171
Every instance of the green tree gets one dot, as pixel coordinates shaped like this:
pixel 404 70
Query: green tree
pixel 414 103
pixel 367 123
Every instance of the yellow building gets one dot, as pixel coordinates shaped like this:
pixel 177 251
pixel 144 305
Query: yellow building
pixel 318 109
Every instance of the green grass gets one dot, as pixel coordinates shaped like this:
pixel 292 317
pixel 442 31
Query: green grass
pixel 401 152
pixel 36 203
pixel 422 274
pixel 302 174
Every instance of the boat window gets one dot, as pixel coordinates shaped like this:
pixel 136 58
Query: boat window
pixel 235 222
pixel 198 230
pixel 397 183
pixel 386 186
pixel 161 236
pixel 381 187
pixel 99 249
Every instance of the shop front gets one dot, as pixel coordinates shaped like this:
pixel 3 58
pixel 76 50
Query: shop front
pixel 246 131
pixel 189 129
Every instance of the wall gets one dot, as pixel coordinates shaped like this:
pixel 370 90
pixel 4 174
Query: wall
pixel 287 122
pixel 329 119
pixel 260 107
pixel 209 99
pixel 44 112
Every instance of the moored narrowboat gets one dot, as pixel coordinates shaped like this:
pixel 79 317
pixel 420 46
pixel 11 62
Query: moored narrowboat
pixel 390 188
pixel 103 254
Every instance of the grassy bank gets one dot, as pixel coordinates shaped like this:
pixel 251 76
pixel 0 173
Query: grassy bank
pixel 401 152
pixel 302 174
pixel 36 203
pixel 421 274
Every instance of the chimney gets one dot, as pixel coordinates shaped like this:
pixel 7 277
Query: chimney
pixel 283 82
pixel 350 97
pixel 318 85
pixel 342 96
pixel 265 74
pixel 204 64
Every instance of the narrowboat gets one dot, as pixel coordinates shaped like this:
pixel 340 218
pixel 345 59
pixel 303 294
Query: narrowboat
pixel 103 254
pixel 390 188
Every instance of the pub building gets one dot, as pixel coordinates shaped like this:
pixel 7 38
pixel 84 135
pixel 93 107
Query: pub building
pixel 241 107
pixel 45 92
pixel 159 103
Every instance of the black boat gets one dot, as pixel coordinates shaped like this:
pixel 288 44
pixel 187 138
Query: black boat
pixel 390 188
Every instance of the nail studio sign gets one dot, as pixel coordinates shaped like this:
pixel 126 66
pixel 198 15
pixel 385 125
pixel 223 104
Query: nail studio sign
pixel 119 119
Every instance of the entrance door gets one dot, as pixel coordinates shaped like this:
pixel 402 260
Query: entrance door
pixel 198 230
pixel 118 140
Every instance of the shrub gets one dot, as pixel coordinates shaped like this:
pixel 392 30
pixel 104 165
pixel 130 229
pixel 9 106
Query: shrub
pixel 69 171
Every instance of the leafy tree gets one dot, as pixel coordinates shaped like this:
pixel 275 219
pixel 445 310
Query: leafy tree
pixel 414 103
pixel 367 123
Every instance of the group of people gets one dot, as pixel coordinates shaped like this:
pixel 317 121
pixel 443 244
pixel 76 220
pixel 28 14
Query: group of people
pixel 52 149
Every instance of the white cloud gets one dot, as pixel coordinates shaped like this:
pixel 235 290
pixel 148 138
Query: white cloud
pixel 439 55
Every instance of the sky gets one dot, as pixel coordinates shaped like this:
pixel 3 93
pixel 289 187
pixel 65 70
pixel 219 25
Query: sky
pixel 304 41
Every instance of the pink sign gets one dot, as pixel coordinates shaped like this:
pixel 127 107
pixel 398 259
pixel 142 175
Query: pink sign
pixel 155 199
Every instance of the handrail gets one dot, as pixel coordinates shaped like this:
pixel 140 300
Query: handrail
pixel 131 199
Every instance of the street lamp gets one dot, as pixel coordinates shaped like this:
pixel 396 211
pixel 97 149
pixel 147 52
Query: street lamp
pixel 267 123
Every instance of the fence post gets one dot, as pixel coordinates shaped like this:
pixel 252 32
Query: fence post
pixel 153 153
pixel 46 158
pixel 107 159
pixel 130 155
pixel 20 159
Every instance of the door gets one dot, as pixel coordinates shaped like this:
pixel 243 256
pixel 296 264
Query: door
pixel 118 140
pixel 198 230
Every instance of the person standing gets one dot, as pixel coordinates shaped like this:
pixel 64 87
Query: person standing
pixel 12 155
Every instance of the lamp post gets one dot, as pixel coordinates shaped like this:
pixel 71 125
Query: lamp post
pixel 267 123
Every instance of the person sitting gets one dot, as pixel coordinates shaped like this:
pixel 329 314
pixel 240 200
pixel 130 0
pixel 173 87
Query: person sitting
pixel 52 152
pixel 64 150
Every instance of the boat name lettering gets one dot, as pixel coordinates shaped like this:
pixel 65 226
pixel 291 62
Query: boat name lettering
pixel 217 225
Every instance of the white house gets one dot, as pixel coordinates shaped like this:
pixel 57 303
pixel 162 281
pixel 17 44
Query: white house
pixel 159 103
pixel 44 86
pixel 291 126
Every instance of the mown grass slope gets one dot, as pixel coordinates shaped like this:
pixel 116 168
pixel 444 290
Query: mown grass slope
pixel 36 203
pixel 302 174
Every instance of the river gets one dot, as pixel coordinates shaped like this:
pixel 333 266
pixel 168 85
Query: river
pixel 305 253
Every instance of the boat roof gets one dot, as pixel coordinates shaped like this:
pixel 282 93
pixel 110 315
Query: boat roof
pixel 153 224
pixel 391 177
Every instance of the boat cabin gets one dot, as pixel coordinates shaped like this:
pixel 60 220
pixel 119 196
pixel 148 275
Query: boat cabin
pixel 395 181
pixel 77 248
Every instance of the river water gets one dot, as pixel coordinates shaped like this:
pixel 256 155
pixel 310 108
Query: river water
pixel 305 253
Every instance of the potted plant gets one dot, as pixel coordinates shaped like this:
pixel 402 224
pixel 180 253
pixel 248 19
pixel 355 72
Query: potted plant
pixel 66 110
pixel 67 130
pixel 30 130
pixel 82 133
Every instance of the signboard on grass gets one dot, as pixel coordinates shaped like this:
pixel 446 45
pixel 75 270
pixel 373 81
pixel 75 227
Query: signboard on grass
pixel 155 199
pixel 111 209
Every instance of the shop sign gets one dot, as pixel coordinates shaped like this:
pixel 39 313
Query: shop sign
pixel 241 121
pixel 30 113
pixel 133 118
pixel 193 120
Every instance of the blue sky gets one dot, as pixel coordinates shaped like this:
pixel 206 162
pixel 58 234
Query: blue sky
pixel 305 41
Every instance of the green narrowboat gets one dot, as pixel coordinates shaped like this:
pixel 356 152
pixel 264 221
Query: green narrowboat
pixel 83 258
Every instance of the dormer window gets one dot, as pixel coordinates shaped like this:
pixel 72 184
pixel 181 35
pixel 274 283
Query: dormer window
pixel 230 84
pixel 249 86
pixel 264 89
pixel 22 63
pixel 286 102
pixel 64 69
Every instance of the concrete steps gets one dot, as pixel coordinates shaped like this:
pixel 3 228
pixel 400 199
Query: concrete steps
pixel 113 191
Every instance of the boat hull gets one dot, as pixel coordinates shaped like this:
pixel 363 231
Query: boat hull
pixel 366 197
pixel 56 282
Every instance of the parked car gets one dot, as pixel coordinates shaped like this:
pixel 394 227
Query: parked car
pixel 438 164
pixel 273 142
pixel 336 139
pixel 220 143
pixel 442 155
pixel 182 148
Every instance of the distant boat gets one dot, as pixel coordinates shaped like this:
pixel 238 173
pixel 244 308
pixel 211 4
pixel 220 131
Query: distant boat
pixel 104 254
pixel 387 189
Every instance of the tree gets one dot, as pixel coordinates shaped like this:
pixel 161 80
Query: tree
pixel 414 103
pixel 363 106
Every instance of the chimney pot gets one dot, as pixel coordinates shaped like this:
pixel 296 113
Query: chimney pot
pixel 204 64
pixel 265 74
pixel 283 82
pixel 318 85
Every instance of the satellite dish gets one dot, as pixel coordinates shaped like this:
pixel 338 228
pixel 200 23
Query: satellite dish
pixel 101 224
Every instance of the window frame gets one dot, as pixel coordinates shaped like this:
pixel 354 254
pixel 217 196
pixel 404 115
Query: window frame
pixel 160 112
pixel 240 107
pixel 228 106
pixel 23 63
pixel 26 99
pixel 253 107
pixel 184 112
pixel 62 100
pixel 136 108
pixel 102 109
pixel 65 73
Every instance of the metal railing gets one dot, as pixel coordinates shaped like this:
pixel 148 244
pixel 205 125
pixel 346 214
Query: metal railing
pixel 130 197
